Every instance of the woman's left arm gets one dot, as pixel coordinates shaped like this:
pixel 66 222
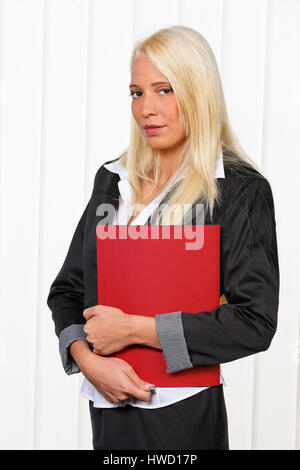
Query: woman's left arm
pixel 250 280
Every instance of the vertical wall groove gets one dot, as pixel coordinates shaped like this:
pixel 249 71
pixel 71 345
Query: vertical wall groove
pixel 222 37
pixel 262 155
pixel 87 171
pixel 39 296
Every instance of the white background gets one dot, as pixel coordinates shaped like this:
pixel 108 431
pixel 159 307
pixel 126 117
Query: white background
pixel 65 109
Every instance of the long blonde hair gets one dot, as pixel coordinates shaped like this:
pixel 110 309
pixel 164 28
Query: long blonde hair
pixel 184 56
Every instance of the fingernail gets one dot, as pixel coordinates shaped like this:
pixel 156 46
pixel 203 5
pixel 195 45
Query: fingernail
pixel 150 386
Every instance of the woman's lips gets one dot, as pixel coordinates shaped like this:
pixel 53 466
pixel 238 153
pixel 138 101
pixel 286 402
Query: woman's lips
pixel 153 130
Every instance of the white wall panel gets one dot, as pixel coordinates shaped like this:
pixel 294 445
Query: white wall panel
pixel 151 16
pixel 21 77
pixel 63 154
pixel 243 69
pixel 64 110
pixel 108 75
pixel 276 371
pixel 207 18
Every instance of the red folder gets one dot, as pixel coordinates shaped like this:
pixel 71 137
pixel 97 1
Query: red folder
pixel 149 270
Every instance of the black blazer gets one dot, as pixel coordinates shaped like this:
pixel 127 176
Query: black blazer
pixel 249 276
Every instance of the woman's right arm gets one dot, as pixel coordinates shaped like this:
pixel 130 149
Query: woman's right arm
pixel 114 378
pixel 66 302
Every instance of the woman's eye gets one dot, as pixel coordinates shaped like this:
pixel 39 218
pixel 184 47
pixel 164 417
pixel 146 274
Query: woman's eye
pixel 166 89
pixel 133 92
pixel 163 89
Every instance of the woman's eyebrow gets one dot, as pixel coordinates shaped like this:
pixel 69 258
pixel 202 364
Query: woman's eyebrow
pixel 152 84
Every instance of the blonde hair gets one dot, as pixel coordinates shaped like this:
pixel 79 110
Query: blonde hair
pixel 184 56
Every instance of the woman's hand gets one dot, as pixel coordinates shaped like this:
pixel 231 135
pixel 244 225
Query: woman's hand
pixel 114 378
pixel 108 329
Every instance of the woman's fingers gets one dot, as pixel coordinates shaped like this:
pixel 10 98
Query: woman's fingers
pixel 137 386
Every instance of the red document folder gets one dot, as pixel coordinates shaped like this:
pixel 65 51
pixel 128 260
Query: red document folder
pixel 148 270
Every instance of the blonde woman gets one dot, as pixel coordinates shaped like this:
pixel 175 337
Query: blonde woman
pixel 182 151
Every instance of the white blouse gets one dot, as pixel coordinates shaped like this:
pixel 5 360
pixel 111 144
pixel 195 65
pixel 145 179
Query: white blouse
pixel 160 396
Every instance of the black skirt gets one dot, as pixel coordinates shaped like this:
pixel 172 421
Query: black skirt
pixel 198 422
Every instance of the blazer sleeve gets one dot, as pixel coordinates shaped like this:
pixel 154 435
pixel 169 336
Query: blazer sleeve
pixel 66 296
pixel 249 279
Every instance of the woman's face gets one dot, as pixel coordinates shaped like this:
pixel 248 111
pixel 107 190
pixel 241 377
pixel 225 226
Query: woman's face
pixel 154 102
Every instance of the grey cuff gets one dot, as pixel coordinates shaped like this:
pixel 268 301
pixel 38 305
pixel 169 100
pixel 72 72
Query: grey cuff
pixel 171 337
pixel 66 338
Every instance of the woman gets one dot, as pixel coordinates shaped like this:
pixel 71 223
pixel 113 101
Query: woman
pixel 192 157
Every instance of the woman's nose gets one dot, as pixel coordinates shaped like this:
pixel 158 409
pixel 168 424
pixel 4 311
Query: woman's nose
pixel 148 105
